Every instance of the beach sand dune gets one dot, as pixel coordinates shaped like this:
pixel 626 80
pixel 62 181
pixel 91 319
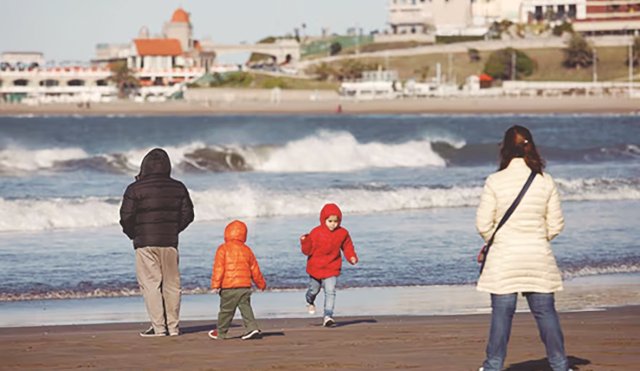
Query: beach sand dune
pixel 598 340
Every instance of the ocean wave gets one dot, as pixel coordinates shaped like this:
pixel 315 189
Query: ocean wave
pixel 19 160
pixel 256 202
pixel 323 151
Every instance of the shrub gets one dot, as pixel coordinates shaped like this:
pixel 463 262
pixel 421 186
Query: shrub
pixel 562 28
pixel 335 48
pixel 499 64
pixel 578 53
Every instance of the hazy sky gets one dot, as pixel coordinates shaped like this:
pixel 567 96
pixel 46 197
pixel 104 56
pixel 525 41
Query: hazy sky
pixel 70 29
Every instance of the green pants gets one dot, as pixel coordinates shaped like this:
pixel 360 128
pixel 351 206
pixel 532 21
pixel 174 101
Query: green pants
pixel 230 299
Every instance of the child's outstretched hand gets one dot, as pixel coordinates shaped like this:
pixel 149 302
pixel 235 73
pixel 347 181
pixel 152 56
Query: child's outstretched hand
pixel 215 291
pixel 353 260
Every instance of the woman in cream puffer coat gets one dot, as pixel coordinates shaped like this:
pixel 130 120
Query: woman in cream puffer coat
pixel 520 259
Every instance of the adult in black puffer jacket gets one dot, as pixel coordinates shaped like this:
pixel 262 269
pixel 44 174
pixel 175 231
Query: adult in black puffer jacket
pixel 155 209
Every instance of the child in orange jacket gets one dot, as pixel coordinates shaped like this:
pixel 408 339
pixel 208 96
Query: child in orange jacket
pixel 234 268
pixel 324 246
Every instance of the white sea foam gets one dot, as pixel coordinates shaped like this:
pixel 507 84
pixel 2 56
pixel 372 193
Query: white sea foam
pixel 18 159
pixel 324 151
pixel 56 213
pixel 247 201
pixel 330 151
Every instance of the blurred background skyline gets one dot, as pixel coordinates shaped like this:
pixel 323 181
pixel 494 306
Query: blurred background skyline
pixel 68 30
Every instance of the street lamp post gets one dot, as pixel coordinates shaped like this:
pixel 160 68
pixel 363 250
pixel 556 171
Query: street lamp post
pixel 631 68
pixel 595 65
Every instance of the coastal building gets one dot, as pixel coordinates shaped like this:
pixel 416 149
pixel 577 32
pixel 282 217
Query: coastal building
pixel 527 11
pixel 610 17
pixel 165 60
pixel 21 60
pixel 440 17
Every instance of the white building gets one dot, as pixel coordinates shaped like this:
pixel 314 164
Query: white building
pixel 442 17
pixel 526 11
pixel 176 49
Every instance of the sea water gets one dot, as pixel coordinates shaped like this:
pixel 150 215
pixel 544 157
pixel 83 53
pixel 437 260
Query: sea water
pixel 408 186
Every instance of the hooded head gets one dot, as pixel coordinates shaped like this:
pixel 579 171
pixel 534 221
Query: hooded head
pixel 328 210
pixel 235 231
pixel 156 162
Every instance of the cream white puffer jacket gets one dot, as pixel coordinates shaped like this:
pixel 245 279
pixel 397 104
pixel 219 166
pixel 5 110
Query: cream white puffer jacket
pixel 520 259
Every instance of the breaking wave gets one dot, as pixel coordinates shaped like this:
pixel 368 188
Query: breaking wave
pixel 324 151
pixel 256 202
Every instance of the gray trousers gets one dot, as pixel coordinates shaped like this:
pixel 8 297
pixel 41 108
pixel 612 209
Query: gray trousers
pixel 159 279
pixel 230 299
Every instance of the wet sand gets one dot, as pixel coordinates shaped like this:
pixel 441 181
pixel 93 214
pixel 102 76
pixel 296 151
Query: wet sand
pixel 598 340
pixel 522 105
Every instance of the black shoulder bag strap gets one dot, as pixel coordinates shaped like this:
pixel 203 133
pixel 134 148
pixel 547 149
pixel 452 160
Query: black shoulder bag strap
pixel 506 216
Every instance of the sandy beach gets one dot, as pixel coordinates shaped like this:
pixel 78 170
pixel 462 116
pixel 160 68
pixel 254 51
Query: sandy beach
pixel 298 105
pixel 598 340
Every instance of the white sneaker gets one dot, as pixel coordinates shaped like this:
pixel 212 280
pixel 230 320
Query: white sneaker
pixel 328 322
pixel 311 309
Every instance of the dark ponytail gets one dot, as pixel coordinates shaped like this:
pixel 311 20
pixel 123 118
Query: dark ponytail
pixel 518 142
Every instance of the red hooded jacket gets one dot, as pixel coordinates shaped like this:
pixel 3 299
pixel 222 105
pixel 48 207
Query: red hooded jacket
pixel 323 247
pixel 235 266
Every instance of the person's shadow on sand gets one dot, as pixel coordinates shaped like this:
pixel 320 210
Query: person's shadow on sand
pixel 543 364
pixel 348 323
pixel 355 322
pixel 207 328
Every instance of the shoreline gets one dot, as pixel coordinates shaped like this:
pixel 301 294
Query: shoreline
pixel 589 293
pixel 459 105
pixel 601 340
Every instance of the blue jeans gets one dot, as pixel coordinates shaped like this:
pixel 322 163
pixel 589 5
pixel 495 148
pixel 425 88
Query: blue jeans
pixel 329 286
pixel 543 309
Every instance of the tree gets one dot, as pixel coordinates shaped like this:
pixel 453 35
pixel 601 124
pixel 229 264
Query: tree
pixel 123 78
pixel 578 53
pixel 500 64
pixel 351 69
pixel 323 71
pixel 335 48
pixel 558 30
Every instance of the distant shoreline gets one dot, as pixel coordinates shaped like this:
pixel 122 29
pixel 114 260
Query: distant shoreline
pixel 502 105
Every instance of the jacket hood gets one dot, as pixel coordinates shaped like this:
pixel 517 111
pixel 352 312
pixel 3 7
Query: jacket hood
pixel 156 162
pixel 327 211
pixel 235 231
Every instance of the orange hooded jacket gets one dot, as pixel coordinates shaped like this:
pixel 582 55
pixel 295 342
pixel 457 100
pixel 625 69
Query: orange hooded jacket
pixel 235 266
pixel 324 247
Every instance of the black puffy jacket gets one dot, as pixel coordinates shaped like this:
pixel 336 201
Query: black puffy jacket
pixel 156 207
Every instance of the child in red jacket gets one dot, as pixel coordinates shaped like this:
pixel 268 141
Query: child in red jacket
pixel 234 268
pixel 323 246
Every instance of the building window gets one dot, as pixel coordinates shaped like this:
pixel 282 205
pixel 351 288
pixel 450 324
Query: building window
pixel 101 82
pixel 573 11
pixel 75 82
pixel 20 82
pixel 49 82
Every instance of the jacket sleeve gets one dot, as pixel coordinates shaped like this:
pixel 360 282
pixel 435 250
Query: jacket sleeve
pixel 128 214
pixel 486 213
pixel 218 268
pixel 256 275
pixel 554 217
pixel 349 250
pixel 186 211
pixel 306 245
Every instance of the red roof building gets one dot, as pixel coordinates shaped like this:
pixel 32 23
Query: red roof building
pixel 158 47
